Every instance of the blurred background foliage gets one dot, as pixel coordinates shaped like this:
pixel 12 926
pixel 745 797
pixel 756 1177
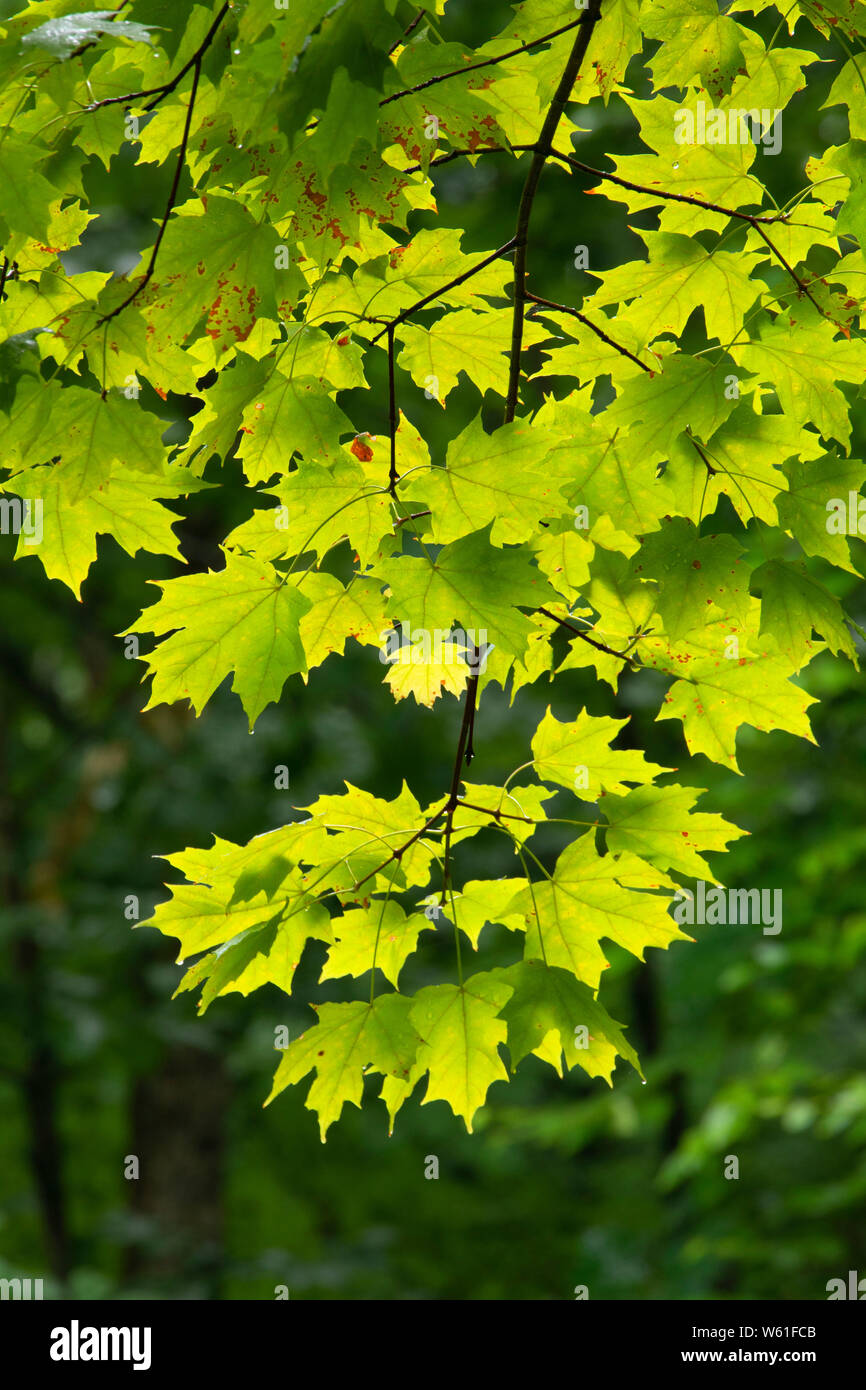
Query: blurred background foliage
pixel 752 1045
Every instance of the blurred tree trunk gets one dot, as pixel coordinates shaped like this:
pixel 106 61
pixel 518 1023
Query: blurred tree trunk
pixel 178 1136
pixel 38 1078
pixel 40 1090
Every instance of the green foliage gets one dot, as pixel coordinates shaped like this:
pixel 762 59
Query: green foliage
pixel 657 506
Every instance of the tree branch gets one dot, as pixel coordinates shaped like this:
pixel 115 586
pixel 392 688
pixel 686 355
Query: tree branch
pixel 486 63
pixel 459 154
pixel 599 332
pixel 168 87
pixel 392 414
pixel 801 284
pixel 599 646
pixel 753 221
pixel 451 284
pixel 398 853
pixel 464 752
pixel 410 29
pixel 663 194
pixel 170 205
pixel 586 24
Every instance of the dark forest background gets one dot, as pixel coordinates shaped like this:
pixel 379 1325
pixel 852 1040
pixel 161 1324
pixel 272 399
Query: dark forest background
pixel 752 1045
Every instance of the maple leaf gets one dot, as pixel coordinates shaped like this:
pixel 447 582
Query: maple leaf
pixel 509 480
pixel 793 603
pixel 242 619
pixel 589 897
pixel 553 1015
pixel 696 40
pixel 722 693
pixel 695 573
pixel 578 755
pixel 229 282
pixel 380 933
pixel 347 1040
pixel 801 356
pixel 659 824
pixel 471 583
pixel 461 1033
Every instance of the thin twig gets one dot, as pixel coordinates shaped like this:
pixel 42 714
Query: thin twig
pixel 410 29
pixel 452 284
pixel 398 853
pixel 801 284
pixel 599 646
pixel 586 24
pixel 599 332
pixel 169 206
pixel 486 63
pixel 753 221
pixel 464 753
pixel 663 194
pixel 459 154
pixel 392 414
pixel 167 87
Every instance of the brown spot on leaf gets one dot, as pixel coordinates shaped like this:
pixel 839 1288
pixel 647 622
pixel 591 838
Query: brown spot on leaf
pixel 361 450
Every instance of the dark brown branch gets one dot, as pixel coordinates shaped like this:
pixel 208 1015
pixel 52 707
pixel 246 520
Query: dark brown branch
pixel 169 206
pixel 168 87
pixel 413 516
pixel 585 637
pixel 801 284
pixel 459 154
pixel 392 414
pixel 486 63
pixel 662 193
pixel 753 221
pixel 398 853
pixel 469 752
pixel 464 753
pixel 451 284
pixel 410 29
pixel 586 24
pixel 599 332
